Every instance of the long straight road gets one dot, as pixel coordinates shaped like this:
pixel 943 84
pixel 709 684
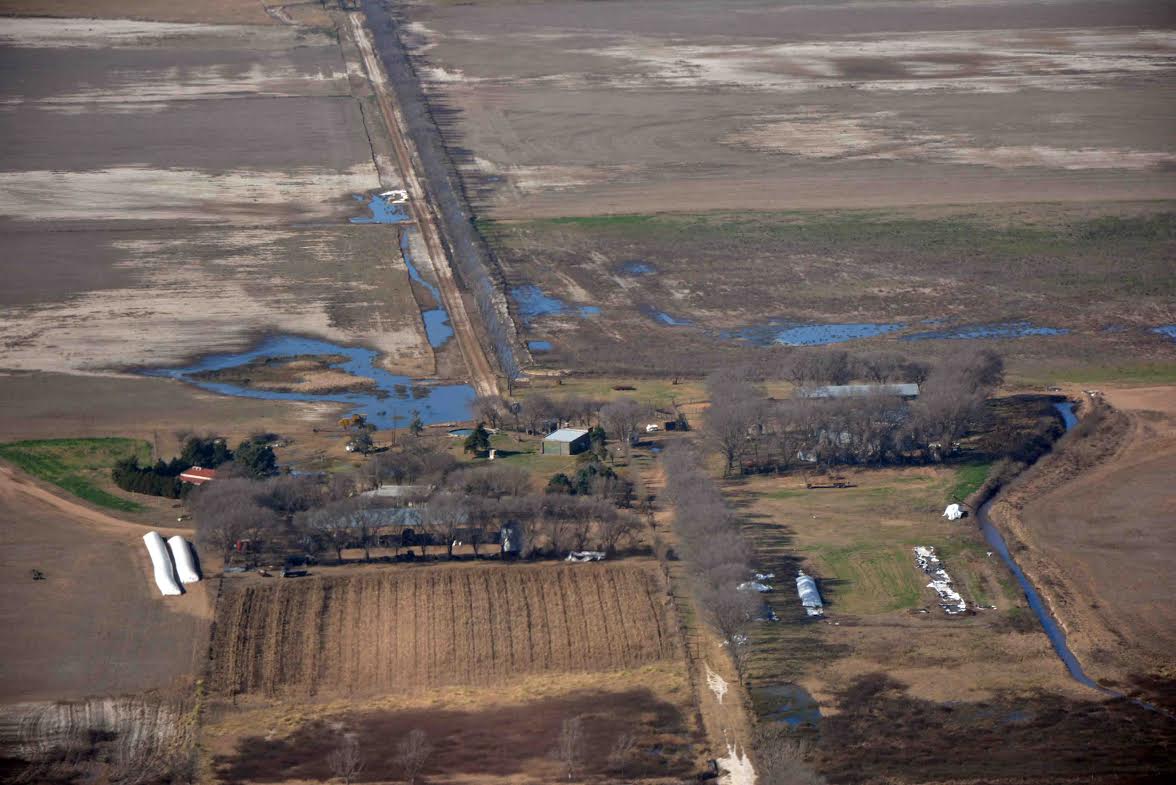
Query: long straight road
pixel 481 371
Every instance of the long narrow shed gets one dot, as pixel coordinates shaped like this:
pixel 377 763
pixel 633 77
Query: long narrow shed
pixel 810 598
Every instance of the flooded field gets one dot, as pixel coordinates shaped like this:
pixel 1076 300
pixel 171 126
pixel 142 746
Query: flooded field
pixel 1041 282
pixel 388 404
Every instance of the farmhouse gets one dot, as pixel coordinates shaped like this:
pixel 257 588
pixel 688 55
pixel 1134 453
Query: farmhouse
pixel 566 441
pixel 860 391
pixel 197 476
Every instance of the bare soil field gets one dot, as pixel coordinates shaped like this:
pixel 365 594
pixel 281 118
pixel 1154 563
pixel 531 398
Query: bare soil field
pixel 491 734
pixel 405 628
pixel 1095 521
pixel 577 108
pixel 174 189
pixel 704 288
pixel 251 12
pixel 97 616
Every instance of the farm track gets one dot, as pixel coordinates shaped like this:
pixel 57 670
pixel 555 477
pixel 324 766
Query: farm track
pixel 400 629
pixel 481 372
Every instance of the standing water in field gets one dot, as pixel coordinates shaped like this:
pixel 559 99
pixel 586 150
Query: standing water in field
pixel 980 331
pixel 383 210
pixel 437 326
pixel 532 303
pixel 387 405
pixel 392 208
pixel 787 333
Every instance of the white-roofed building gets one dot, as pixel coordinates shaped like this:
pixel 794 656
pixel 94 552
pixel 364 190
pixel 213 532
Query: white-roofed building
pixel 566 441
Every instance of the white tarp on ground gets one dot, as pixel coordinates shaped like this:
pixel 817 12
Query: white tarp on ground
pixel 953 512
pixel 165 578
pixel 583 556
pixel 754 586
pixel 185 564
pixel 949 599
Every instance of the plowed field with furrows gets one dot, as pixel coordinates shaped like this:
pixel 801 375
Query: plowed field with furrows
pixel 399 629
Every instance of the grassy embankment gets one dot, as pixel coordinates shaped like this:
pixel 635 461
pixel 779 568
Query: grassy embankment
pixel 78 466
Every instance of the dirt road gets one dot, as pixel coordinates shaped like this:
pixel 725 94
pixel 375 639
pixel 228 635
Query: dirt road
pixel 481 372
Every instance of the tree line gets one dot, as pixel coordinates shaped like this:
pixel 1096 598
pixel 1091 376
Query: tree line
pixel 755 433
pixel 457 505
pixel 254 457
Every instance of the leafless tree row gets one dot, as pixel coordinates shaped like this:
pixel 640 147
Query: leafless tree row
pixel 712 545
pixel 751 431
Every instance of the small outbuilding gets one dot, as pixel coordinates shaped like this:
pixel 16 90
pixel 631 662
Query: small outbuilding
pixel 197 476
pixel 810 598
pixel 566 441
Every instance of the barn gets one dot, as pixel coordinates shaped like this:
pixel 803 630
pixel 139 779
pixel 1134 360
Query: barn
pixel 566 441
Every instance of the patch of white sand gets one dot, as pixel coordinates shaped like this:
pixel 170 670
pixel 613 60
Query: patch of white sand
pixel 42 32
pixel 148 193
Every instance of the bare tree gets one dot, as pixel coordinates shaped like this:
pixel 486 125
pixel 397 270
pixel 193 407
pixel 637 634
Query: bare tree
pixel 330 525
pixel 346 760
pixel 489 409
pixel 622 419
pixel 412 753
pixel 226 512
pixel 621 754
pixel 443 517
pixel 570 748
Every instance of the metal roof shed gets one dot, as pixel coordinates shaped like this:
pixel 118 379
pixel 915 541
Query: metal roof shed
pixel 810 598
pixel 566 441
pixel 861 391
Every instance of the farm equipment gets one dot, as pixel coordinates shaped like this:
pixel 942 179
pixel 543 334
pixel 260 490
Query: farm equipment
pixel 829 480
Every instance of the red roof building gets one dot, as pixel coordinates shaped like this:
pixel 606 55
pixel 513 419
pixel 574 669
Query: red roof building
pixel 198 476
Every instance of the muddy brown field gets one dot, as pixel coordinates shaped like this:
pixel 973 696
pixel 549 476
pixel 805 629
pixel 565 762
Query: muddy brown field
pixel 408 627
pixel 577 108
pixel 97 616
pixel 1096 519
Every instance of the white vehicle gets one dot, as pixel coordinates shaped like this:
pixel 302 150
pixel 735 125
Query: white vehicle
pixel 652 428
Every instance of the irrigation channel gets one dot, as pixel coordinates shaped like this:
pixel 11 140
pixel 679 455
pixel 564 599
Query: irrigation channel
pixel 1052 629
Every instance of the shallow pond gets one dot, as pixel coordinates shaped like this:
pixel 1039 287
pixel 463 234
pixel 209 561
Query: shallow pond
pixel 389 405
pixel 532 303
pixel 981 331
pixel 661 317
pixel 382 210
pixel 777 331
pixel 787 703
pixel 636 268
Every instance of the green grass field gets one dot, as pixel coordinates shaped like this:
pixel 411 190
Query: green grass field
pixel 968 481
pixel 659 393
pixel 78 466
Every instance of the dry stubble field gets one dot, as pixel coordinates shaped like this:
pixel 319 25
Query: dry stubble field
pixel 410 627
